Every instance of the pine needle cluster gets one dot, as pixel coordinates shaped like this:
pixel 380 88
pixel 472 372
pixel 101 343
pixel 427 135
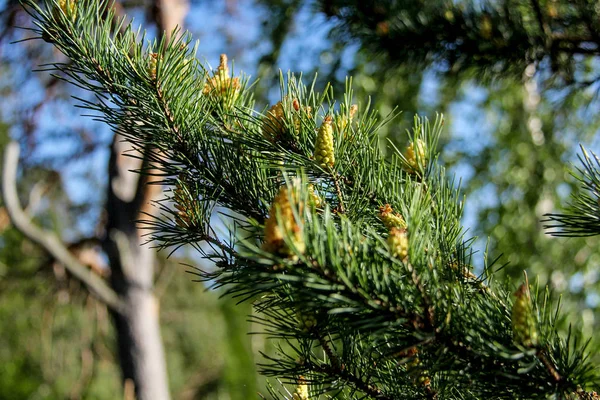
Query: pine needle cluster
pixel 355 260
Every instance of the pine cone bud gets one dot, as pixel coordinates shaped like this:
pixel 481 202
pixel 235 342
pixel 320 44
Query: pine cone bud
pixel 398 243
pixel 416 156
pixel 552 10
pixel 581 394
pixel 296 105
pixel 298 115
pixel 184 207
pixel 486 28
pixel 282 223
pixel 324 154
pixel 301 392
pixel 412 354
pixel 391 219
pixel 523 320
pixel 68 7
pixel 273 126
pixel 221 84
pixel 342 121
pixel 424 378
pixel 306 321
pixel 313 197
pixel 153 64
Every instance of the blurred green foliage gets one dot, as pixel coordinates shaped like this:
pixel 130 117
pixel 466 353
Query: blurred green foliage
pixel 57 342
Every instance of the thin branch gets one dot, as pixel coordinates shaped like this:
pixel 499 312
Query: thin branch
pixel 336 368
pixel 333 359
pixel 338 189
pixel 354 380
pixel 47 240
pixel 550 367
pixel 544 27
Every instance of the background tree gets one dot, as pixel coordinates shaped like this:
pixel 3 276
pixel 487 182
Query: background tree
pixel 129 296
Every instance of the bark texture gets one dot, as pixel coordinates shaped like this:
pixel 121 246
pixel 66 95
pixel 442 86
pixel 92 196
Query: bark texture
pixel 141 352
pixel 132 265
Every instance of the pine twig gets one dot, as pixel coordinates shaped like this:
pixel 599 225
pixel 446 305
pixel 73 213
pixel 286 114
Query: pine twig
pixel 338 190
pixel 358 383
pixel 167 112
pixel 541 355
pixel 335 362
pixel 544 27
pixel 429 312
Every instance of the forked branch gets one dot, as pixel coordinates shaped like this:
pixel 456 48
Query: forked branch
pixel 48 240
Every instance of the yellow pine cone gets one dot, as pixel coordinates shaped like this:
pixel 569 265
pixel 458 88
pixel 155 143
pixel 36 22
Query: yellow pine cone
pixel 416 156
pixel 391 219
pixel 523 321
pixel 222 84
pixel 414 363
pixel 69 8
pixel 273 126
pixel 324 154
pixel 152 64
pixel 398 243
pixel 274 235
pixel 313 197
pixel 184 207
pixel 301 392
pixel 342 121
pixel 297 114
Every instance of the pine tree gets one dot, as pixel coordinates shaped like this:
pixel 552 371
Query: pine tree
pixel 485 38
pixel 355 260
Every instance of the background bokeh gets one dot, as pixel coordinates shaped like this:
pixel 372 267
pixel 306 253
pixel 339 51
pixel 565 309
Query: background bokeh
pixel 510 138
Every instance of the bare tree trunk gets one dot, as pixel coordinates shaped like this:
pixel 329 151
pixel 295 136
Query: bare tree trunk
pixel 132 265
pixel 130 295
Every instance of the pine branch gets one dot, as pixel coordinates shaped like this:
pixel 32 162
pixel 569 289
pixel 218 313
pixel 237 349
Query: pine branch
pixel 489 38
pixel 582 215
pixel 356 382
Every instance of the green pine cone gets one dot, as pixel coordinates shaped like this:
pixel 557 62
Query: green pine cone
pixel 523 321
